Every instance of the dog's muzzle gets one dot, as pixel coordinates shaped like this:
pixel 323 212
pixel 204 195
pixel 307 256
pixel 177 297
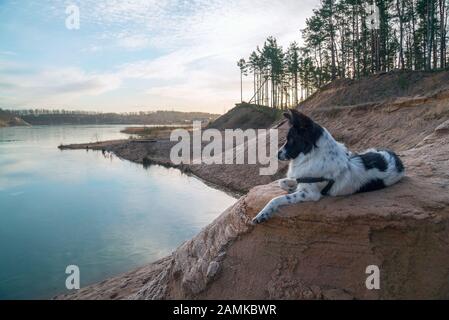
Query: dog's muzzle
pixel 282 155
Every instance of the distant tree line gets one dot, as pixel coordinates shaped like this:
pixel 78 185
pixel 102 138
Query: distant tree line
pixel 349 39
pixel 56 117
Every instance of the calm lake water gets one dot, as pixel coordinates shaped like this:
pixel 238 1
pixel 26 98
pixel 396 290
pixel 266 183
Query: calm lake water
pixel 103 214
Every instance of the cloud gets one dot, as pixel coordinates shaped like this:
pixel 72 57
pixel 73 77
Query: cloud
pixel 204 45
pixel 193 46
pixel 133 42
pixel 52 86
pixel 93 49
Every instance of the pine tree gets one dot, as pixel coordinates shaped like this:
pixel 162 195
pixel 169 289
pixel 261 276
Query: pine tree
pixel 339 42
pixel 243 72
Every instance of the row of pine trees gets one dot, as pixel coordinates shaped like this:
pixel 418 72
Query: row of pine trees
pixel 343 39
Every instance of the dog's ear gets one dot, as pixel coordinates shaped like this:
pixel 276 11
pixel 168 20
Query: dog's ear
pixel 288 116
pixel 298 119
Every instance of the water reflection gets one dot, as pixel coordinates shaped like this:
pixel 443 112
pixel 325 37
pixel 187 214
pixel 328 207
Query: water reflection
pixel 92 209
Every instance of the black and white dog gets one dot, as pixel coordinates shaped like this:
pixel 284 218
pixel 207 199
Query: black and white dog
pixel 319 166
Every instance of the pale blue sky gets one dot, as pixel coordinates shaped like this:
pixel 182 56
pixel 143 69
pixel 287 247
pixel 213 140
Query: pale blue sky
pixel 136 54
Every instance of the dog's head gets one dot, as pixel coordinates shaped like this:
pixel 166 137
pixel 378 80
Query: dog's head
pixel 302 136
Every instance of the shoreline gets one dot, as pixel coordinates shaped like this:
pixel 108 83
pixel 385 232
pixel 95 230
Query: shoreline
pixel 235 180
pixel 109 146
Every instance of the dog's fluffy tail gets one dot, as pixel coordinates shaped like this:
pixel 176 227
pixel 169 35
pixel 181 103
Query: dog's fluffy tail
pixel 395 168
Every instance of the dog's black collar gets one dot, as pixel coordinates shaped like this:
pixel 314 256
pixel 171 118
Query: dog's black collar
pixel 325 190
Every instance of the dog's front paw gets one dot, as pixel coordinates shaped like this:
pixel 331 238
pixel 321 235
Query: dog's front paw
pixel 288 185
pixel 261 217
pixel 258 219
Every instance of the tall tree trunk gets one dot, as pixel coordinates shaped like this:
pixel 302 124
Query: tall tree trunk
pixel 357 45
pixel 434 36
pixel 267 99
pixel 373 52
pixel 332 36
pixel 241 86
pixel 296 88
pixel 354 17
pixel 320 66
pixel 399 7
pixel 442 8
pixel 415 42
pixel 254 86
pixel 257 86
pixel 429 35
